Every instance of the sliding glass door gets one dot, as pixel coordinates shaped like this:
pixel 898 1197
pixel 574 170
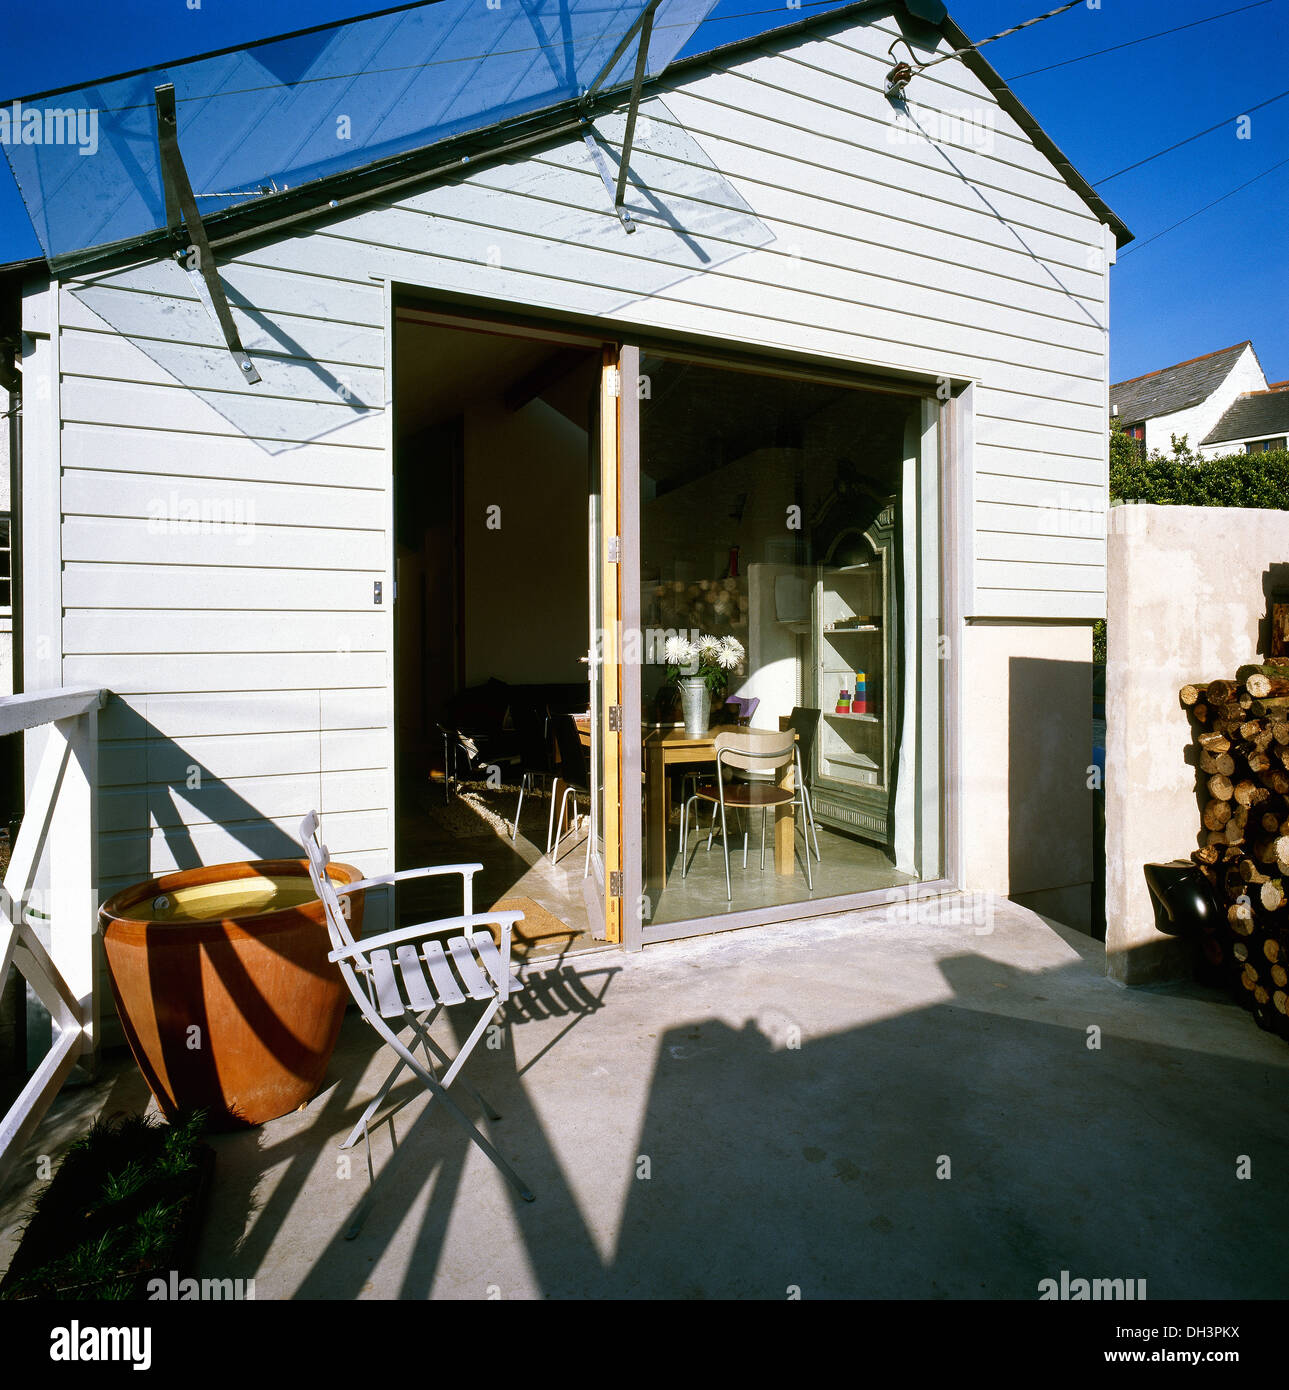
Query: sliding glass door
pixel 788 552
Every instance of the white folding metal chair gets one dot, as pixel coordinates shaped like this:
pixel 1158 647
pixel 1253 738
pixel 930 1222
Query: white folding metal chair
pixel 427 979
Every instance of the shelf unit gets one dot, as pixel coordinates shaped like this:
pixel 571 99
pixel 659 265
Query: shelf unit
pixel 854 752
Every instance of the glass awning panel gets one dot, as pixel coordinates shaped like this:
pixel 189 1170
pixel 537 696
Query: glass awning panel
pixel 286 111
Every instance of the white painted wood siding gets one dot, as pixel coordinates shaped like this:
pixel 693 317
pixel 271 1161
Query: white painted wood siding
pixel 218 568
pixel 782 206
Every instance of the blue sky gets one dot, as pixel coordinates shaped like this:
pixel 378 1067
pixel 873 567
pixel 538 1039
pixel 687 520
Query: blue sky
pixel 1214 281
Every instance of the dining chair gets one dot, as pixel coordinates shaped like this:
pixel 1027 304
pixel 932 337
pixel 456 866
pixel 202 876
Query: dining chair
pixel 427 979
pixel 806 722
pixel 577 781
pixel 744 706
pixel 532 726
pixel 748 750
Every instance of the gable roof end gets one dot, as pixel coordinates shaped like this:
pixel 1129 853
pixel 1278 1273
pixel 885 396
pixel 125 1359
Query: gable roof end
pixel 1043 142
pixel 1174 388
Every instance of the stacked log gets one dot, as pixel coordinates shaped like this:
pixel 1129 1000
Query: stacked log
pixel 1241 732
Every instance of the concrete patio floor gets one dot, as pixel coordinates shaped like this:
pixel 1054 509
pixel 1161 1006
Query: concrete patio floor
pixel 854 1106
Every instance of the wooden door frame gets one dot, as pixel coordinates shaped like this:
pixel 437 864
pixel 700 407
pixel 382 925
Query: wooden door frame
pixel 608 640
pixel 629 670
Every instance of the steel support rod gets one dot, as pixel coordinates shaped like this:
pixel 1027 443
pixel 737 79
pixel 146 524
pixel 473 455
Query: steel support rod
pixel 642 57
pixel 181 203
pixel 646 14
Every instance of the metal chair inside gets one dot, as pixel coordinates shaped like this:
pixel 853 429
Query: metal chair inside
pixel 758 751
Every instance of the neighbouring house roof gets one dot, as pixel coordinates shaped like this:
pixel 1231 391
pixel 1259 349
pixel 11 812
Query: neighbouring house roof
pixel 1255 415
pixel 509 132
pixel 1173 388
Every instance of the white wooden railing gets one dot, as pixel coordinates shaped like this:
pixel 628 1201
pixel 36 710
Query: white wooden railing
pixel 59 825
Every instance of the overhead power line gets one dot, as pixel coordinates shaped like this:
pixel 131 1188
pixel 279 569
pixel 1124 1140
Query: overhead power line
pixel 1145 38
pixel 1191 216
pixel 1280 96
pixel 902 73
pixel 993 38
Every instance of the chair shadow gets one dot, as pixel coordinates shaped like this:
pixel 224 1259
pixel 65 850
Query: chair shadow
pixel 443 1149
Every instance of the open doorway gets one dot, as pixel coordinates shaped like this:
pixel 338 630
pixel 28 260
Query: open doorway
pixel 497 467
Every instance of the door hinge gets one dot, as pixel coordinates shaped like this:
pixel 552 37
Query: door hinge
pixel 613 550
pixel 615 719
pixel 615 883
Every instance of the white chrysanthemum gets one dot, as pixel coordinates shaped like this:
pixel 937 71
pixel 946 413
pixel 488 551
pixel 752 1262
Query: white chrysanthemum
pixel 679 651
pixel 709 647
pixel 730 654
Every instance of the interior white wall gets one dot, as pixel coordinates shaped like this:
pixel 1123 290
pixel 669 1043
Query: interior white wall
pixel 527 617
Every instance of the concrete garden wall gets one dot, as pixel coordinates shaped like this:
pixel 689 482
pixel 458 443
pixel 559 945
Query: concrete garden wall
pixel 1187 601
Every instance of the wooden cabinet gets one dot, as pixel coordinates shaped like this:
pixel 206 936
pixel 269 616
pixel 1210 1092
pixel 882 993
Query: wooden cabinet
pixel 853 632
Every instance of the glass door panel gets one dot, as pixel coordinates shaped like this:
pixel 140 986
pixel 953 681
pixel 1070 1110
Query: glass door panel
pixel 799 519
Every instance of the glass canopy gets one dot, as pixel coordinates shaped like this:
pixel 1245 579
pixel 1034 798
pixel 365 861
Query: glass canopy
pixel 286 111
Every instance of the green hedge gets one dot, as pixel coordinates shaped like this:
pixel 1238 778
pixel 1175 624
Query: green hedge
pixel 1234 480
pixel 1186 480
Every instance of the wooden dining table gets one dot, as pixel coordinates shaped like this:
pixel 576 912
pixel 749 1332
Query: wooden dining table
pixel 666 746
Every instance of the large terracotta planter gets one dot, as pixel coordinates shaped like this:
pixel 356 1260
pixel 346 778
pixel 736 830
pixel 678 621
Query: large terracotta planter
pixel 223 986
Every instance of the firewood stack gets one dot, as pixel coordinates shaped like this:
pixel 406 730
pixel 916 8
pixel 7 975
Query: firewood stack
pixel 1242 745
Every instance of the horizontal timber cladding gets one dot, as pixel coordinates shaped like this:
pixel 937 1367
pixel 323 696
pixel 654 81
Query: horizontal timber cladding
pixel 220 541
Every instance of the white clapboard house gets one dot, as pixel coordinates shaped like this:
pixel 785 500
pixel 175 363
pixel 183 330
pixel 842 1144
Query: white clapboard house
pixel 447 361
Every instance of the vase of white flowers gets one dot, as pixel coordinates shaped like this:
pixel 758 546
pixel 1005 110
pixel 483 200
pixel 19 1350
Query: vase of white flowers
pixel 700 669
pixel 695 705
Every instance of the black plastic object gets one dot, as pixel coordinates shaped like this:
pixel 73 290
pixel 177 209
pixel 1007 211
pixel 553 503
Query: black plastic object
pixel 1183 901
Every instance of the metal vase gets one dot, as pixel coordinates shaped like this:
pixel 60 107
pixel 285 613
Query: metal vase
pixel 695 704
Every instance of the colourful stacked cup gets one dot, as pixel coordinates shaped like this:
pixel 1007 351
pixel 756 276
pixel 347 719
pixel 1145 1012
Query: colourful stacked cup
pixel 859 701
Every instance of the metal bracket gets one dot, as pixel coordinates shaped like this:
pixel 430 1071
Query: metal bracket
pixel 182 206
pixel 644 27
pixel 901 74
pixel 615 719
pixel 615 883
pixel 601 165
